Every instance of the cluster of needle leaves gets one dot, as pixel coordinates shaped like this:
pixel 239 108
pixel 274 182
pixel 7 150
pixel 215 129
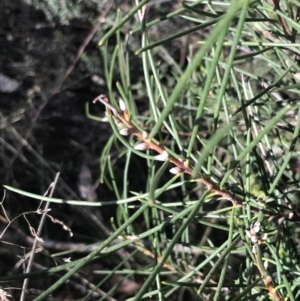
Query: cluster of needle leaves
pixel 203 154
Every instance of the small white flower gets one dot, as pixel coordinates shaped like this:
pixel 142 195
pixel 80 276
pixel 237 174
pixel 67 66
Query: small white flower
pixel 164 156
pixel 175 170
pixel 67 259
pixel 264 236
pixel 254 239
pixel 256 227
pixel 252 236
pixel 142 146
pixel 124 131
pixel 122 105
pixel 145 135
pixel 248 233
pixel 266 264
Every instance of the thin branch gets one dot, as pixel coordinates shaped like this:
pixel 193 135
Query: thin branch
pixel 181 164
pixel 282 21
pixel 38 233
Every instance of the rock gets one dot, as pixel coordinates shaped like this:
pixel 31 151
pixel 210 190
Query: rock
pixel 7 84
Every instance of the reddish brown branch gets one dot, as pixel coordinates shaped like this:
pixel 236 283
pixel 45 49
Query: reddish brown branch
pixel 282 21
pixel 182 165
pixel 267 279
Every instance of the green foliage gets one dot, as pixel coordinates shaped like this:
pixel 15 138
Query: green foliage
pixel 229 112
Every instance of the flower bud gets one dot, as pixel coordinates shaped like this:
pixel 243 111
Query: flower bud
pixel 175 170
pixel 125 131
pixel 122 105
pixel 142 146
pixel 164 156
